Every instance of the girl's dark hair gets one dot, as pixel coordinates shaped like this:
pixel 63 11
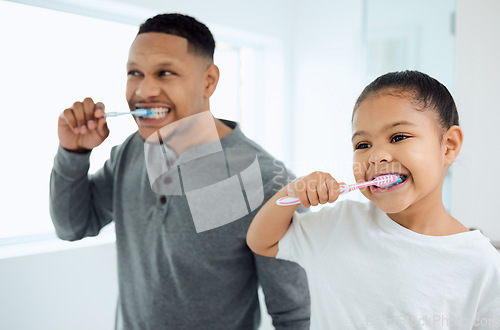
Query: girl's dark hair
pixel 425 91
pixel 199 37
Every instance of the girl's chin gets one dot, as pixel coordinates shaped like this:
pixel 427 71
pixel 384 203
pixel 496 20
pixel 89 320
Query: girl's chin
pixel 389 206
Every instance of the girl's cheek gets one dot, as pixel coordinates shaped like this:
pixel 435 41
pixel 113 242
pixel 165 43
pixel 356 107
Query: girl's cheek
pixel 358 169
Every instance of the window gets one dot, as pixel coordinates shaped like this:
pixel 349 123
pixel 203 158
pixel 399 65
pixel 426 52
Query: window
pixel 401 36
pixel 59 58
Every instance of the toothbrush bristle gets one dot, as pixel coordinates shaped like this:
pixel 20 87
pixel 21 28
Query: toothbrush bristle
pixel 386 181
pixel 395 183
pixel 141 112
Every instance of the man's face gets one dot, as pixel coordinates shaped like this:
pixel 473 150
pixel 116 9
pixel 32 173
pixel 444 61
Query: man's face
pixel 164 75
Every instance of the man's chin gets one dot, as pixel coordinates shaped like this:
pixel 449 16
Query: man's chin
pixel 148 129
pixel 146 132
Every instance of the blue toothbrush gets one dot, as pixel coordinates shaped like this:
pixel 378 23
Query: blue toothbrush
pixel 137 112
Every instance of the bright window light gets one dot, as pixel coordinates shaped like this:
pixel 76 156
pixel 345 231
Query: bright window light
pixel 51 59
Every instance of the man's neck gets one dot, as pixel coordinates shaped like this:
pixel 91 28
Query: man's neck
pixel 222 129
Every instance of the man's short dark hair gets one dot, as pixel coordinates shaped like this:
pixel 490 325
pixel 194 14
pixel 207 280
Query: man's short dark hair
pixel 199 37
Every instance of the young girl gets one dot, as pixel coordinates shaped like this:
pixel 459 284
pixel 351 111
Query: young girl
pixel 399 261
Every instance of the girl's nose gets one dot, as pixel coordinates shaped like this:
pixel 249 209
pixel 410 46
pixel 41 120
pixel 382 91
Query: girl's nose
pixel 379 156
pixel 148 88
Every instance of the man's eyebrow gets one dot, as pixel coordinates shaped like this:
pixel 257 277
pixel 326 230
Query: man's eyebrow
pixel 166 63
pixel 385 128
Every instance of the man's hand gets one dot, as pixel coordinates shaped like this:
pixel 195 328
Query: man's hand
pixel 82 127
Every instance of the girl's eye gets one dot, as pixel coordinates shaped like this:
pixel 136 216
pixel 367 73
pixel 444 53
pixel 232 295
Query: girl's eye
pixel 398 138
pixel 362 146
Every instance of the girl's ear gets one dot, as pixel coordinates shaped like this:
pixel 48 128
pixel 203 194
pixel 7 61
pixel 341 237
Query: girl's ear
pixel 452 143
pixel 211 80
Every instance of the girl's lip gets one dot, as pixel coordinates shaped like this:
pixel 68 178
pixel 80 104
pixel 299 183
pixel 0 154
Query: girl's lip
pixel 377 190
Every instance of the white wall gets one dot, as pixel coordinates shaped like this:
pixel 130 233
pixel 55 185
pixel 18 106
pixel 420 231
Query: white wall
pixel 475 174
pixel 328 77
pixel 75 289
pixel 423 29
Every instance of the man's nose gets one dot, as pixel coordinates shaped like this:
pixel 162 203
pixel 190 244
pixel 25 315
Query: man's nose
pixel 147 88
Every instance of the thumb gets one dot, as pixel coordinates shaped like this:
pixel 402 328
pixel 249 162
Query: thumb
pixel 102 128
pixel 334 190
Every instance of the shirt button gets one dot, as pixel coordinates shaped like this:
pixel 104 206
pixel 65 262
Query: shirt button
pixel 163 200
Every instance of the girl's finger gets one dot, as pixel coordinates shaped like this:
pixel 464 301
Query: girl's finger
pixel 322 189
pixel 312 195
pixel 333 190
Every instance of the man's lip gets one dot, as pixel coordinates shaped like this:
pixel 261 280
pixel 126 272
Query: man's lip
pixel 152 105
pixel 154 120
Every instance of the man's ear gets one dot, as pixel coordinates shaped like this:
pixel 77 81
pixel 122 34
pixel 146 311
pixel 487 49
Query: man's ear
pixel 211 80
pixel 452 143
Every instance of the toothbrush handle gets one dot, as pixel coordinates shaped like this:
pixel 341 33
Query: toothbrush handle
pixel 351 187
pixel 384 180
pixel 343 189
pixel 115 114
pixel 137 112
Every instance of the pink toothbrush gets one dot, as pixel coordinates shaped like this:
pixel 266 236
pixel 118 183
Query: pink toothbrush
pixel 383 181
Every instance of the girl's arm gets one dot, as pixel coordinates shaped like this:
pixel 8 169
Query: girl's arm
pixel 272 221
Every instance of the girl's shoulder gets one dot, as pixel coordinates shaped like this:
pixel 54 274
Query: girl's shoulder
pixel 349 208
pixel 347 212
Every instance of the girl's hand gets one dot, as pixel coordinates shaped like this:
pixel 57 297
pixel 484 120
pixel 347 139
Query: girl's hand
pixel 313 189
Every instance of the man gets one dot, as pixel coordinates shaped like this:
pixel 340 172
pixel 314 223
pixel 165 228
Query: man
pixel 170 275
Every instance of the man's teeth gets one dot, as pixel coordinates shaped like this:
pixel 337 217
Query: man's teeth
pixel 158 113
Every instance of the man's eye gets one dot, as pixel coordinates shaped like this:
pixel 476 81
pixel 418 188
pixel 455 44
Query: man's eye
pixel 398 138
pixel 166 73
pixel 363 146
pixel 133 73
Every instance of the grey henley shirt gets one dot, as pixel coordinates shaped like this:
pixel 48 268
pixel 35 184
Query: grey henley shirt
pixel 170 276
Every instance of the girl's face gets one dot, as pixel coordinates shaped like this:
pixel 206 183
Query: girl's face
pixel 390 135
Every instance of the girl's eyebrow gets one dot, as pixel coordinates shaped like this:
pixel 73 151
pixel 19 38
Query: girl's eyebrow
pixel 385 128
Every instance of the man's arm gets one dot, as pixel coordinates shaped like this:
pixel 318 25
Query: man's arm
pixel 79 205
pixel 286 292
pixel 74 198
